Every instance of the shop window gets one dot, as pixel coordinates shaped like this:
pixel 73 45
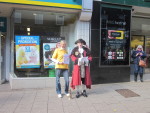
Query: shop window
pixel 115 36
pixel 36 36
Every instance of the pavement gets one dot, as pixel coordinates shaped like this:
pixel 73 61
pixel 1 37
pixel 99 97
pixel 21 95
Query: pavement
pixel 102 98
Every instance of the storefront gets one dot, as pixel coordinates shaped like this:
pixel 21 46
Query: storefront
pixel 117 27
pixel 34 28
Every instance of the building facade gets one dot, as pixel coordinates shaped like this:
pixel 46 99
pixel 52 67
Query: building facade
pixel 117 27
pixel 31 29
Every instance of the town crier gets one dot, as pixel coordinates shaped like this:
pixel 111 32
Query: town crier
pixel 81 56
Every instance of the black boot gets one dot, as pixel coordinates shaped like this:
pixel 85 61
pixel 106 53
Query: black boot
pixel 135 77
pixel 77 95
pixel 141 77
pixel 84 93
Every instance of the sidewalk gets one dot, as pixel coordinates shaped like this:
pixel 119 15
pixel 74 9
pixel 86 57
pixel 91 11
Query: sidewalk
pixel 101 98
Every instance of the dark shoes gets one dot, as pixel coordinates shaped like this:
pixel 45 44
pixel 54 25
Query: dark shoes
pixel 77 95
pixel 84 93
pixel 135 77
pixel 141 77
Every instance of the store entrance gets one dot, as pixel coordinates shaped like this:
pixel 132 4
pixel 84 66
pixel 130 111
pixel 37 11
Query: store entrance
pixel 141 36
pixel 145 42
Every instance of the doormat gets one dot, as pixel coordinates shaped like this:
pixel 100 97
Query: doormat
pixel 127 93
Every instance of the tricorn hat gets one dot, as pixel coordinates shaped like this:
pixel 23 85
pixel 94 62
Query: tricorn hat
pixel 80 41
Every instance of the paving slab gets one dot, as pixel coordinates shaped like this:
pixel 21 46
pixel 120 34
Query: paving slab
pixel 102 98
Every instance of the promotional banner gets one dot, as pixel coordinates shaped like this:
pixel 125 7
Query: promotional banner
pixel 49 46
pixel 48 50
pixel 27 52
pixel 76 4
pixel 115 42
pixel 115 36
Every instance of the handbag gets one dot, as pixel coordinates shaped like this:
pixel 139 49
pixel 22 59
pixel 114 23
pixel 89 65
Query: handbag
pixel 142 63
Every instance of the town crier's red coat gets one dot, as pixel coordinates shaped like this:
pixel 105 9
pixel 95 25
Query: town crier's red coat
pixel 76 78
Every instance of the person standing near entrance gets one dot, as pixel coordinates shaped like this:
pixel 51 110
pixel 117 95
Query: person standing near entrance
pixel 137 55
pixel 81 56
pixel 61 68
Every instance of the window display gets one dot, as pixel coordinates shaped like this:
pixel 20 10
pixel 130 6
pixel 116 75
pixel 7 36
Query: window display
pixel 27 51
pixel 49 46
pixel 34 44
pixel 115 36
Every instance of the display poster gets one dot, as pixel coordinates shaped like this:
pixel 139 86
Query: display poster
pixel 115 36
pixel 48 50
pixel 49 46
pixel 27 51
pixel 115 49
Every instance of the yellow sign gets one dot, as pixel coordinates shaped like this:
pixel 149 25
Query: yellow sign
pixel 122 35
pixel 46 3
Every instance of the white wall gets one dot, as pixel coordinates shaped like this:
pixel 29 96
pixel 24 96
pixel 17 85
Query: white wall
pixel 83 31
pixel 75 31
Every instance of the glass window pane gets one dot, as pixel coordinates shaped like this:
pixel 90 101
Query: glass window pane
pixel 115 36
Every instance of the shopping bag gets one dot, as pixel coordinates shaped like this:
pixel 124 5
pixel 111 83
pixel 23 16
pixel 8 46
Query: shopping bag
pixel 142 63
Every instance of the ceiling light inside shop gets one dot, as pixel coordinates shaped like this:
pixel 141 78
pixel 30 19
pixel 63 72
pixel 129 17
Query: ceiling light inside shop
pixel 28 28
pixel 28 33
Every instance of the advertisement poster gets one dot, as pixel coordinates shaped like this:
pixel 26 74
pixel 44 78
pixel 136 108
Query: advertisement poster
pixel 49 46
pixel 115 42
pixel 48 50
pixel 27 52
pixel 115 36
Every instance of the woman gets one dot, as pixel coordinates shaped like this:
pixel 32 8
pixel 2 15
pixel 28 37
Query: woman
pixel 137 55
pixel 61 68
pixel 81 57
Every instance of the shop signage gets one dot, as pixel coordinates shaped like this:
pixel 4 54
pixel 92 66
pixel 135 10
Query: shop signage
pixel 115 36
pixel 3 24
pixel 76 4
pixel 27 51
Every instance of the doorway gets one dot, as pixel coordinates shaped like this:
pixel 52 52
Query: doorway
pixel 140 35
pixel 135 41
pixel 145 42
